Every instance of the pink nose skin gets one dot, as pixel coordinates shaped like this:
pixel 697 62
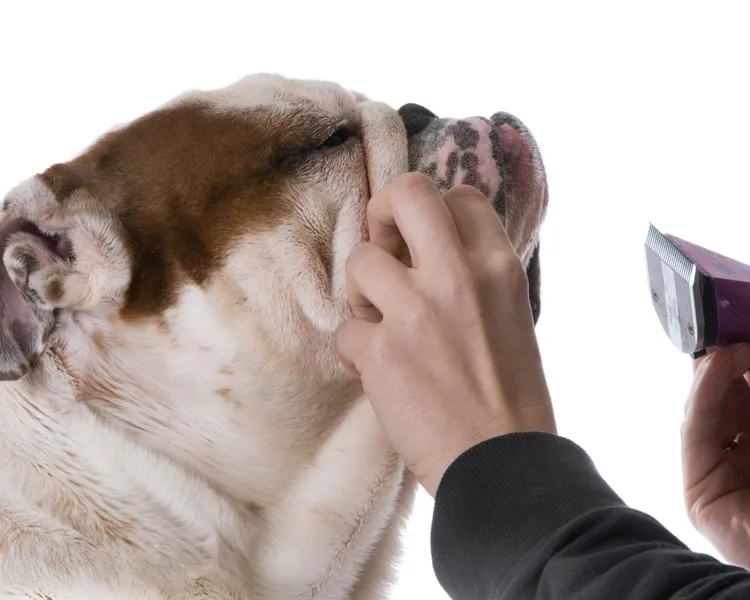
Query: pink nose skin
pixel 464 152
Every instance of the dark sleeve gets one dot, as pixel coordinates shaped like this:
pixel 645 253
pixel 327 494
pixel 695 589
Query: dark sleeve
pixel 528 516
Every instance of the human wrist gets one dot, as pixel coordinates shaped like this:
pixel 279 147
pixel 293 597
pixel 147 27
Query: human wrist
pixel 536 419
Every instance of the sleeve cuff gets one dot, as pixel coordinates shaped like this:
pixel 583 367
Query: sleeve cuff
pixel 501 498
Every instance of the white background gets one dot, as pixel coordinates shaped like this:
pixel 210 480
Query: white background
pixel 640 109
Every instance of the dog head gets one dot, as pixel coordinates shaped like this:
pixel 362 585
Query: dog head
pixel 198 252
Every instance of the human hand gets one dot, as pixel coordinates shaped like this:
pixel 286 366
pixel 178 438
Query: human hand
pixel 446 348
pixel 716 452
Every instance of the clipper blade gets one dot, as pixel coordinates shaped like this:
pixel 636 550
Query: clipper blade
pixel 702 297
pixel 681 293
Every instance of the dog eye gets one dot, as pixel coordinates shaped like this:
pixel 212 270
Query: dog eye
pixel 340 136
pixel 286 158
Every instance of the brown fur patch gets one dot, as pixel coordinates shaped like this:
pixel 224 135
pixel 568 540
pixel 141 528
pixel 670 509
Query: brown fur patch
pixel 226 394
pixel 253 508
pixel 100 340
pixel 185 182
pixel 54 290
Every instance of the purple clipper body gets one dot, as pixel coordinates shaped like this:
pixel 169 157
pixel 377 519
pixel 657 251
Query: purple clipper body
pixel 701 297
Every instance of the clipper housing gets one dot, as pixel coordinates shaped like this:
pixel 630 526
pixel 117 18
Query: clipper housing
pixel 702 298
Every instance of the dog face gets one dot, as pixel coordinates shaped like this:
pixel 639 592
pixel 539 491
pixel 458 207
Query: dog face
pixel 186 272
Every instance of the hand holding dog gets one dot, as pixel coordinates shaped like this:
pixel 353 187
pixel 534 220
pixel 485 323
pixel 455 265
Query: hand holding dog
pixel 446 348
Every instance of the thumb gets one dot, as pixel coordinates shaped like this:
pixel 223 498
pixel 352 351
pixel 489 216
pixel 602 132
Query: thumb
pixel 715 377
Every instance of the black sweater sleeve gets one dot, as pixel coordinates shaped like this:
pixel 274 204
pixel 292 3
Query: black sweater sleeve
pixel 528 516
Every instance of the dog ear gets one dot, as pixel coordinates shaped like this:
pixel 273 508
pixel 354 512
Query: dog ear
pixel 24 328
pixel 534 275
pixel 56 257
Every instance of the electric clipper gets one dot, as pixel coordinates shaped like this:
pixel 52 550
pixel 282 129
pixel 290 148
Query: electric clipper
pixel 701 297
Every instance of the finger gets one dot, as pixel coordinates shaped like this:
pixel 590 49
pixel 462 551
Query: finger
pixel 353 340
pixel 696 364
pixel 718 376
pixel 715 375
pixel 376 281
pixel 700 359
pixel 739 420
pixel 715 372
pixel 414 208
pixel 478 225
pixel 382 226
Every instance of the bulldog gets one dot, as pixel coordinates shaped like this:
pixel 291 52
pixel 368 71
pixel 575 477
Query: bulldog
pixel 175 423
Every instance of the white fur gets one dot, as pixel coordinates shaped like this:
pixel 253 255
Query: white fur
pixel 221 452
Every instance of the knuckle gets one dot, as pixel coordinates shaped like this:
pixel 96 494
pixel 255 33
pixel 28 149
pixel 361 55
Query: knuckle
pixel 380 350
pixel 460 285
pixel 381 353
pixel 507 268
pixel 506 265
pixel 417 317
pixel 694 514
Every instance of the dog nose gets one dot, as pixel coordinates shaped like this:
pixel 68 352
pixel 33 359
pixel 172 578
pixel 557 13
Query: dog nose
pixel 415 118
